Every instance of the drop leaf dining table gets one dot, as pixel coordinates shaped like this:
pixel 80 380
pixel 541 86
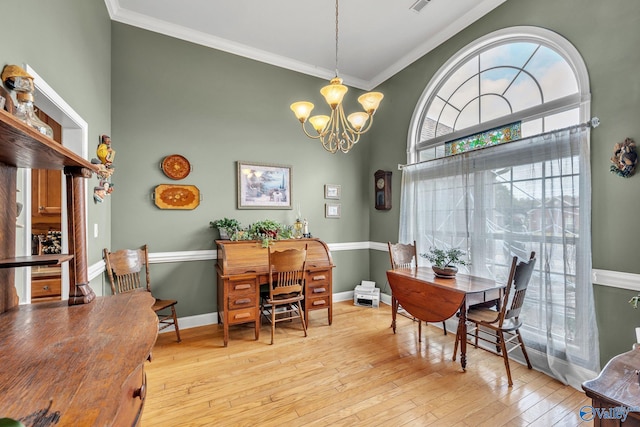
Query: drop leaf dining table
pixel 435 299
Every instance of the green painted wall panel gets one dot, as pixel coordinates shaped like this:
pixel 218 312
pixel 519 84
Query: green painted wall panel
pixel 68 43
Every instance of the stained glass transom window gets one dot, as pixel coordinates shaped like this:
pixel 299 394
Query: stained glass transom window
pixel 511 132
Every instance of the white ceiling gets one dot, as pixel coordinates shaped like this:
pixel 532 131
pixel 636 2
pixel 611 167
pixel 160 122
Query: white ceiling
pixel 377 38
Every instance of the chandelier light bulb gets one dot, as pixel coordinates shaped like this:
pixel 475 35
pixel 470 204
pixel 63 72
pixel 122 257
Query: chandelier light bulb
pixel 319 123
pixel 334 92
pixel 370 101
pixel 358 120
pixel 302 110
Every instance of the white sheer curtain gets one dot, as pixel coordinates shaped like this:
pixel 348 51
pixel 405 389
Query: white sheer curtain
pixel 511 199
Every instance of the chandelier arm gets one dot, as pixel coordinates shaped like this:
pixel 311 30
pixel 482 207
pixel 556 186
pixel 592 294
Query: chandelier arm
pixel 343 120
pixel 308 134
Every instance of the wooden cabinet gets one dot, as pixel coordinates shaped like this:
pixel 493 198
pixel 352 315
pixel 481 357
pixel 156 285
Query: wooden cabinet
pixel 242 266
pixel 46 193
pixel 238 302
pixel 614 391
pixel 46 188
pixel 80 361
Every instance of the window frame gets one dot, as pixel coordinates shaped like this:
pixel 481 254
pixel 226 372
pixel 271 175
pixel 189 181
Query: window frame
pixel 548 38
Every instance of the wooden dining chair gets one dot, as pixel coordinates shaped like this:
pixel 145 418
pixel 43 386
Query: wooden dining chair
pixel 405 255
pixel 501 327
pixel 286 288
pixel 124 269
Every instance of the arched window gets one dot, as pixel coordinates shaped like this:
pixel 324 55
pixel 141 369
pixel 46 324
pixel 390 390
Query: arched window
pixel 531 195
pixel 528 78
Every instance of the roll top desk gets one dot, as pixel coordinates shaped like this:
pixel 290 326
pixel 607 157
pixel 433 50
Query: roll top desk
pixel 242 266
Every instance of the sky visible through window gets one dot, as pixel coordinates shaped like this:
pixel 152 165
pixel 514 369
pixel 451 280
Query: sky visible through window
pixel 501 81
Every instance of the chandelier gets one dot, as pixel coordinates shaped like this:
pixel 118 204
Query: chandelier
pixel 336 132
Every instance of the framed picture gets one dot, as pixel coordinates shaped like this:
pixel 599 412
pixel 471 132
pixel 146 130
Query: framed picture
pixel 264 186
pixel 332 210
pixel 331 191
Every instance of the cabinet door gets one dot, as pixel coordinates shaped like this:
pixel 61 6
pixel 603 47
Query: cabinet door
pixel 46 185
pixel 46 196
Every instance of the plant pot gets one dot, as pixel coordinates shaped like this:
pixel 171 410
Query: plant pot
pixel 224 234
pixel 446 272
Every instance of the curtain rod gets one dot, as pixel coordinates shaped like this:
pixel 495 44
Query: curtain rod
pixel 594 123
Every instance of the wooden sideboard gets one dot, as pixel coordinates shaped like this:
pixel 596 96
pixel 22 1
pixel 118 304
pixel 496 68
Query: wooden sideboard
pixel 617 387
pixel 85 368
pixel 242 267
pixel 75 362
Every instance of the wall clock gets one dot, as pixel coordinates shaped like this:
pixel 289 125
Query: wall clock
pixel 382 190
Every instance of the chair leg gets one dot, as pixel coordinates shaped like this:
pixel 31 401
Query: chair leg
pixel 444 326
pixel 175 322
pixel 304 325
pixel 419 330
pixel 273 322
pixel 505 356
pixel 524 350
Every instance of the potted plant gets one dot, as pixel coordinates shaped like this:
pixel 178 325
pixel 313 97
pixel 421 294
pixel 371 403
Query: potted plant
pixel 444 262
pixel 226 226
pixel 266 230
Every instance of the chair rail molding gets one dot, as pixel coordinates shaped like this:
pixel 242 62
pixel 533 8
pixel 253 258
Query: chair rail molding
pixel 615 279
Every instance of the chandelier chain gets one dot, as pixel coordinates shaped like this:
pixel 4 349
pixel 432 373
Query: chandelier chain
pixel 336 38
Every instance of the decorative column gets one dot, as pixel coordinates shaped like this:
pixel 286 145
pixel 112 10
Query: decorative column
pixel 79 290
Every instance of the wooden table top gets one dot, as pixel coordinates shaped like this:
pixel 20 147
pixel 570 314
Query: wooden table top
pixel 462 283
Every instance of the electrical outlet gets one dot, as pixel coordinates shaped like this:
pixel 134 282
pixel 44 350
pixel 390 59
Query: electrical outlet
pixel 95 231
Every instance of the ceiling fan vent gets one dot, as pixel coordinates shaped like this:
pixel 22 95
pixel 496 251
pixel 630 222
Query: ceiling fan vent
pixel 419 5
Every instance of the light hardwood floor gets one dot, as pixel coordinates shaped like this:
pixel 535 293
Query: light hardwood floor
pixel 355 372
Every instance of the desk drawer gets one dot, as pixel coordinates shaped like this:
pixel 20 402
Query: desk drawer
pixel 314 303
pixel 41 288
pixel 242 315
pixel 242 287
pixel 132 397
pixel 240 300
pixel 318 283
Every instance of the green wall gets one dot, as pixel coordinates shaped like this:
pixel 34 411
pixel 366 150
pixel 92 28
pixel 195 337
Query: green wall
pixel 597 30
pixel 214 108
pixel 68 43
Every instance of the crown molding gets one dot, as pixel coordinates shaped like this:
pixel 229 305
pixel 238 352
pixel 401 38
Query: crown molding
pixel 118 14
